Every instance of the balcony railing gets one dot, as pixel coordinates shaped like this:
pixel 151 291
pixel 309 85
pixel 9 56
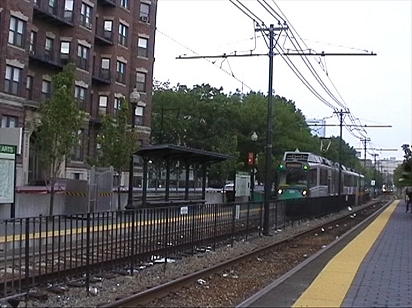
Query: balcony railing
pixel 103 37
pixel 56 14
pixel 108 2
pixel 47 57
pixel 101 75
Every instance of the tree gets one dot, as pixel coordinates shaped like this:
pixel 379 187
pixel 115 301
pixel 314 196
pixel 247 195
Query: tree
pixel 60 123
pixel 205 117
pixel 403 174
pixel 200 118
pixel 118 142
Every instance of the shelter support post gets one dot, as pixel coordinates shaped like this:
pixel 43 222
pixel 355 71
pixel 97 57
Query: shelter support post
pixel 187 165
pixel 204 168
pixel 145 171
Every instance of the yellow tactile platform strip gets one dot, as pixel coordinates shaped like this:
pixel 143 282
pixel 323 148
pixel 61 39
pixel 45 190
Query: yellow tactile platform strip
pixel 333 282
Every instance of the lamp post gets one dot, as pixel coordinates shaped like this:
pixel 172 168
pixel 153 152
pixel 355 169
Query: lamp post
pixel 134 99
pixel 254 138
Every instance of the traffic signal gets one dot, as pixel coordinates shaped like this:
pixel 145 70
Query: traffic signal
pixel 250 159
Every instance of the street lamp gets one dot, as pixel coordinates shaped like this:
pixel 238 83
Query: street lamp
pixel 254 138
pixel 134 99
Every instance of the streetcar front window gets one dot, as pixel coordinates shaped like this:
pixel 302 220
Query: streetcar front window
pixel 293 177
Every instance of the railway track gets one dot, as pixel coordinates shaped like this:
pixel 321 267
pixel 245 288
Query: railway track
pixel 292 247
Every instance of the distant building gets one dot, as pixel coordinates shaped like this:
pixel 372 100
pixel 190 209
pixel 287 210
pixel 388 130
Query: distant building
pixel 317 127
pixel 112 44
pixel 386 167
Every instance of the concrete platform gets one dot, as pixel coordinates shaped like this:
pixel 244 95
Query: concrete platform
pixel 371 268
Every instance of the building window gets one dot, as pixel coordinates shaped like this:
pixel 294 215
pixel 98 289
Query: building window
pixel 142 45
pixel 123 31
pixel 116 105
pixel 124 3
pixel 144 12
pixel 141 82
pixel 108 29
pixel 83 57
pixel 77 152
pixel 49 49
pixel 16 31
pixel 121 72
pixel 9 121
pixel 53 6
pixel 68 10
pixel 29 87
pixel 105 69
pixel 80 94
pixel 103 104
pixel 86 16
pixel 33 42
pixel 13 80
pixel 105 63
pixel 138 115
pixel 64 51
pixel 46 89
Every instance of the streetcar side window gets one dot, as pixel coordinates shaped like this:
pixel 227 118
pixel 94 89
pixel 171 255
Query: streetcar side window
pixel 313 177
pixel 323 177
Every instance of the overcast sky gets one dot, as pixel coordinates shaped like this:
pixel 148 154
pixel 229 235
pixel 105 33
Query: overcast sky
pixel 376 89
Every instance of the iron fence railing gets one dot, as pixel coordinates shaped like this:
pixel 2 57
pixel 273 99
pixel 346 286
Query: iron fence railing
pixel 61 248
pixel 72 247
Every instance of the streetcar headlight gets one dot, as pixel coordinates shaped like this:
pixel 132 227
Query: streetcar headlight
pixel 280 191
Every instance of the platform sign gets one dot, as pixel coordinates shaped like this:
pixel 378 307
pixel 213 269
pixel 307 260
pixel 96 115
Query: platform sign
pixel 7 173
pixel 184 210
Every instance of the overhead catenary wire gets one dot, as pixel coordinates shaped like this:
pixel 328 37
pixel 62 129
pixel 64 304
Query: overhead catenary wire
pixel 212 62
pixel 255 18
pixel 293 37
pixel 330 80
pixel 355 129
pixel 358 127
pixel 307 62
pixel 280 50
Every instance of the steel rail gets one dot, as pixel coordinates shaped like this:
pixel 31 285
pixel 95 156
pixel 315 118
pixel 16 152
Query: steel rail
pixel 140 298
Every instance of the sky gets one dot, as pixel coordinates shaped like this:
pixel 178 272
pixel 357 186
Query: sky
pixel 375 89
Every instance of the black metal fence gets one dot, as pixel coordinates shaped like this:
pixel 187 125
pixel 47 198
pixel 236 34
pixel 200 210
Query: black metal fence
pixel 56 249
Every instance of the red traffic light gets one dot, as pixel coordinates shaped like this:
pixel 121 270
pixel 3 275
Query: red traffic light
pixel 250 159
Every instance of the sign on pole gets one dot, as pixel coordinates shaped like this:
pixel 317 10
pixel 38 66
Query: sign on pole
pixel 7 173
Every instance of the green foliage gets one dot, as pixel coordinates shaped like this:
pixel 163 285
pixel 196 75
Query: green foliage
pixel 60 121
pixel 403 174
pixel 206 118
pixel 117 140
pixel 198 118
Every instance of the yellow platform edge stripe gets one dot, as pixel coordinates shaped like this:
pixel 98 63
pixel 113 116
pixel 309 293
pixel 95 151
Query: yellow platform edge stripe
pixel 326 290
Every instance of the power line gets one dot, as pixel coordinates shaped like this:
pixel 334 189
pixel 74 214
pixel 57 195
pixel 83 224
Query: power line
pixel 228 73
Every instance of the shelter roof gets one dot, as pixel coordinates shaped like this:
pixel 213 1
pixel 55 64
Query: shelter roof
pixel 181 153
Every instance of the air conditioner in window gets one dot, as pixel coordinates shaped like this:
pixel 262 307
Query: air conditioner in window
pixel 144 18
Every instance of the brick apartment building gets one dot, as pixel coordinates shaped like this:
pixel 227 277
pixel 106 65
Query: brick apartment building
pixel 112 44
